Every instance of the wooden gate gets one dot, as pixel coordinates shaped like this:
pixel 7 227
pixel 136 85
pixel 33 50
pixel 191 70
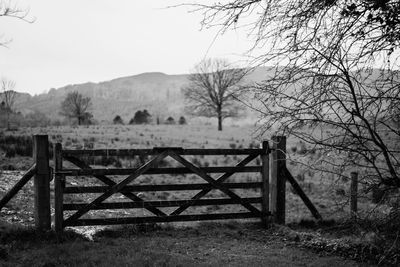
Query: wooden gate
pixel 270 203
pixel 255 207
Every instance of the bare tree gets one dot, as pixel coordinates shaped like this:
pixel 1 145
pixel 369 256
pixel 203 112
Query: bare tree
pixel 7 9
pixel 76 106
pixel 213 89
pixel 334 80
pixel 8 98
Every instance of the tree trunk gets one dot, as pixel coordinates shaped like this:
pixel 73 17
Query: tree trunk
pixel 79 120
pixel 219 120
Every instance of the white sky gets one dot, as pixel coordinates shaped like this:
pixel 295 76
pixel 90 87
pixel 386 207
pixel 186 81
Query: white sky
pixel 77 41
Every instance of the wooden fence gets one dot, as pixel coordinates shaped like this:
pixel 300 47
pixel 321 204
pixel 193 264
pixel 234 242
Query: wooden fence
pixel 268 206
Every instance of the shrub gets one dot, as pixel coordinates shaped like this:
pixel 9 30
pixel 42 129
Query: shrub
pixel 141 117
pixel 182 120
pixel 170 120
pixel 118 120
pixel 16 145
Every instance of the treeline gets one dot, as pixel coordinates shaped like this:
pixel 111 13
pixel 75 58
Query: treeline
pixel 144 117
pixel 17 119
pixel 75 110
pixel 34 119
pixel 39 119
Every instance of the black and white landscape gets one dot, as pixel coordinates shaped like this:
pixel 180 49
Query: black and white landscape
pixel 172 133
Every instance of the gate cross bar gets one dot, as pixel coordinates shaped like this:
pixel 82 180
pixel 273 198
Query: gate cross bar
pixel 81 164
pixel 118 187
pixel 220 179
pixel 218 185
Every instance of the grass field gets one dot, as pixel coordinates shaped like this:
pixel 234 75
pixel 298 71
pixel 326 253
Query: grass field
pixel 330 195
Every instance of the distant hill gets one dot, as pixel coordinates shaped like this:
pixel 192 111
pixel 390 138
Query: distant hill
pixel 155 91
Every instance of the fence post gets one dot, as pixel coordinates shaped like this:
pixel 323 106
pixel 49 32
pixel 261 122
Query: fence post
pixel 265 183
pixel 42 182
pixel 353 194
pixel 279 165
pixel 58 189
pixel 273 177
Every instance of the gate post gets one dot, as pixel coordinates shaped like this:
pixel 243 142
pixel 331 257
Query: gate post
pixel 265 183
pixel 42 182
pixel 58 189
pixel 353 194
pixel 278 180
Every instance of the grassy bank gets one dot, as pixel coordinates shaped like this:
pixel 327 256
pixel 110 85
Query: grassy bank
pixel 206 244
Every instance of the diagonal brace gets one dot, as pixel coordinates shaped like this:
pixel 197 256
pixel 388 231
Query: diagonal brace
pixel 217 185
pixel 81 164
pixel 220 179
pixel 117 187
pixel 14 190
pixel 302 195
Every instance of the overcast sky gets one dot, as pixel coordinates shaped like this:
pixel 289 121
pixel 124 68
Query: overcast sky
pixel 77 41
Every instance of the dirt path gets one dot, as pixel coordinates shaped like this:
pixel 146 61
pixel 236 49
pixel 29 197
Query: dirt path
pixel 204 245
